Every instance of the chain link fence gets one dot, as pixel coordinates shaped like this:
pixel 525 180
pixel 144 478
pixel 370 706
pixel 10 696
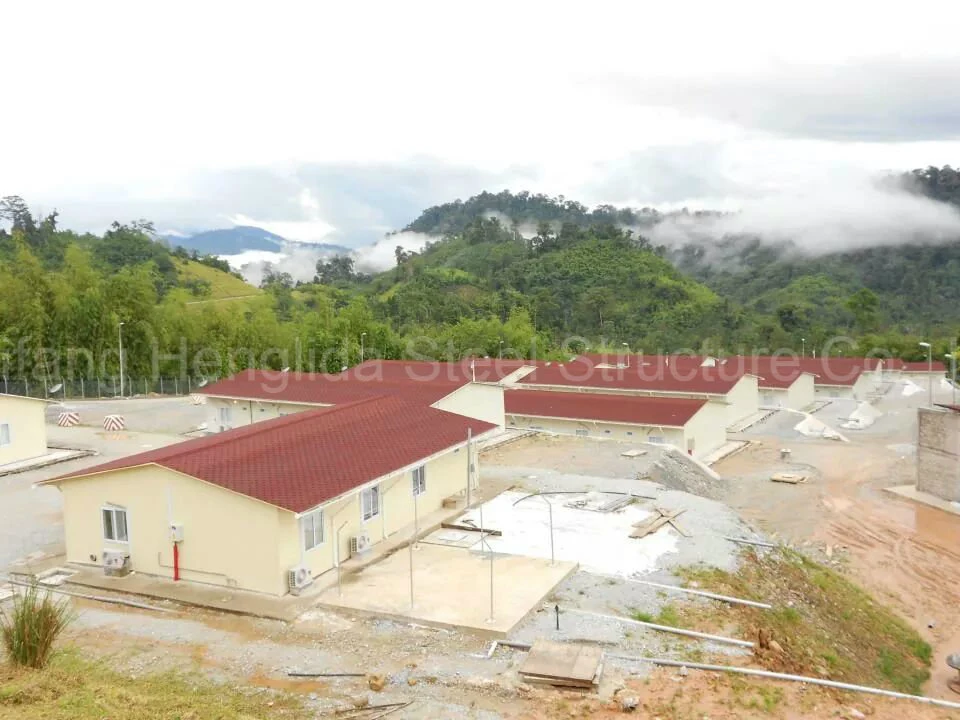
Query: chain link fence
pixel 101 387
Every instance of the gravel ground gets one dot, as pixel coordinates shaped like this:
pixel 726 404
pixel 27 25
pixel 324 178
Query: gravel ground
pixel 163 415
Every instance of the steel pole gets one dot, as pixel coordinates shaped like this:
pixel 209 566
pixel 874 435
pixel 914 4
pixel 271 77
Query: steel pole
pixel 120 343
pixel 930 371
pixel 550 506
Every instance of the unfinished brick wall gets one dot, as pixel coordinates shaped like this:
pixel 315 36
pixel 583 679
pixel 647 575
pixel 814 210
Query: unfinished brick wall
pixel 938 453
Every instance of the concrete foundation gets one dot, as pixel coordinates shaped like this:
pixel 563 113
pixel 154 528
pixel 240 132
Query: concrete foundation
pixel 938 453
pixel 451 588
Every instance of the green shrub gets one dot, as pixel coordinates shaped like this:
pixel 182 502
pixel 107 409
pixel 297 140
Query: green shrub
pixel 30 628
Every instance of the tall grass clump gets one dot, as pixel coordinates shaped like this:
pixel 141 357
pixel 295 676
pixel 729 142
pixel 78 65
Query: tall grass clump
pixel 30 628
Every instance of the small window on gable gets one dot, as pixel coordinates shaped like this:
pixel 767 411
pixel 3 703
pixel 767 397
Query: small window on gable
pixel 419 480
pixel 311 529
pixel 114 524
pixel 370 502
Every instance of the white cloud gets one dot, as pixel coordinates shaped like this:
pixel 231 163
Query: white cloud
pixel 149 121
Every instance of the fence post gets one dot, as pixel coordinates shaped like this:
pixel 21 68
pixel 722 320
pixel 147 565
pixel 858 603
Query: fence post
pixel 114 385
pixel 176 386
pixel 99 394
pixel 145 387
pixel 161 384
pixel 26 385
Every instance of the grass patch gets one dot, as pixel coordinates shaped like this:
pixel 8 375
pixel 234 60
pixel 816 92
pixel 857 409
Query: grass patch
pixel 73 688
pixel 668 615
pixel 826 625
pixel 222 285
pixel 30 628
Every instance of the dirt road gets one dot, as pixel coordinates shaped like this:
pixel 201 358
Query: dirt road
pixel 906 553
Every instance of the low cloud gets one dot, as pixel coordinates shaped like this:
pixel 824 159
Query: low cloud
pixel 822 217
pixel 382 255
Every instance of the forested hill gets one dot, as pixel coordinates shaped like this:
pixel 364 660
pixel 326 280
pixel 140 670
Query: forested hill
pixel 907 288
pixel 524 209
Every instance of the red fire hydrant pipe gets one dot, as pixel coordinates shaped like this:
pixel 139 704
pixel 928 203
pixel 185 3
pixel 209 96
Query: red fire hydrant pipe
pixel 176 561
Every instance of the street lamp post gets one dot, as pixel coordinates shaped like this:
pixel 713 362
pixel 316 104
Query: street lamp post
pixel 803 347
pixel 362 336
pixel 500 352
pixel 120 343
pixel 953 374
pixel 626 352
pixel 929 368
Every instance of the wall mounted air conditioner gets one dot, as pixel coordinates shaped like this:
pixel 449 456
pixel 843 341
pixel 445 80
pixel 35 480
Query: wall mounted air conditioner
pixel 116 563
pixel 298 578
pixel 360 543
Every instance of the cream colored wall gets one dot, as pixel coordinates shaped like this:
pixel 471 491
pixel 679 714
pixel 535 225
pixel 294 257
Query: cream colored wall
pixel 801 393
pixel 743 399
pixel 446 475
pixel 229 539
pixel 476 400
pixel 28 429
pixel 617 431
pixel 829 392
pixel 706 429
pixel 244 412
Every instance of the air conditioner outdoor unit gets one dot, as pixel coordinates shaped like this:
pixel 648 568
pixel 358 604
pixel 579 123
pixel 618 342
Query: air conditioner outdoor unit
pixel 298 578
pixel 360 543
pixel 116 563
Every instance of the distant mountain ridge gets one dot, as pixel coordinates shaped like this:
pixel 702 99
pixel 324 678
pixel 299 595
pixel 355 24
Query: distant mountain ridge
pixel 242 238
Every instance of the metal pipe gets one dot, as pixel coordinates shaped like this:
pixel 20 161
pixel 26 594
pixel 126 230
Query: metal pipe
pixel 669 629
pixel 701 593
pixel 791 678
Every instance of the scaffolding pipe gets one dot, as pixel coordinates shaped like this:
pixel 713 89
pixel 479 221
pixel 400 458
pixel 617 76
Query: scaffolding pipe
pixel 791 678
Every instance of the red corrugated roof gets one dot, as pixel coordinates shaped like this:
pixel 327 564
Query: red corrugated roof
pixel 425 382
pixel 632 409
pixel 298 461
pixel 921 366
pixel 677 377
pixel 323 389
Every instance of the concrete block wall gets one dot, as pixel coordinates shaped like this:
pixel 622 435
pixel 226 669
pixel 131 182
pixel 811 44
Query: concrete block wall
pixel 938 453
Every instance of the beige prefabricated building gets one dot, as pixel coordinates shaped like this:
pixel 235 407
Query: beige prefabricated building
pixel 252 404
pixel 236 540
pixel 796 395
pixel 23 429
pixel 694 426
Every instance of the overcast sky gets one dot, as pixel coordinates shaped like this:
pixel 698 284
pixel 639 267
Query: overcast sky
pixel 338 122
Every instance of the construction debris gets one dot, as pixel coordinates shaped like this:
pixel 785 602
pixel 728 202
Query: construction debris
pixel 470 528
pixel 652 524
pixel 790 478
pixel 633 453
pixel 563 665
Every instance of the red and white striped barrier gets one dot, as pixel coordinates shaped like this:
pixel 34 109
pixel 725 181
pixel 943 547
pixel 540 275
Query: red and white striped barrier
pixel 68 419
pixel 113 423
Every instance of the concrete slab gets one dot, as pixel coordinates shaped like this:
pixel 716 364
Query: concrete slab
pixel 451 588
pixel 226 599
pixel 910 492
pixel 54 456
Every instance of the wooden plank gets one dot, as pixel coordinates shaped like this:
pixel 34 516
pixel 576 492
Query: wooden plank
pixel 651 525
pixel 567 663
pixel 470 528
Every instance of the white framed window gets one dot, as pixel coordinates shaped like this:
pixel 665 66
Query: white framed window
pixel 419 480
pixel 370 502
pixel 311 529
pixel 114 524
pixel 655 439
pixel 225 415
pixel 5 434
